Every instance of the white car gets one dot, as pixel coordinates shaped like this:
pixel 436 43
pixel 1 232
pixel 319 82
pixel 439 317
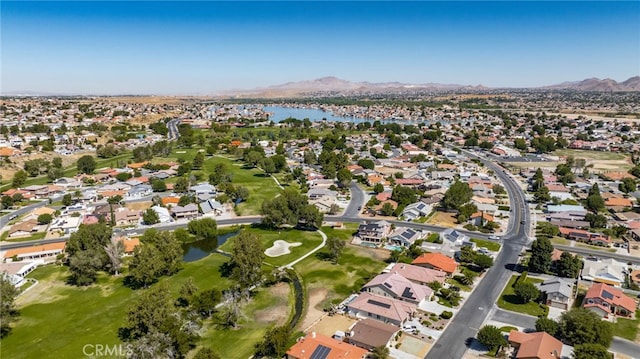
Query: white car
pixel 495 238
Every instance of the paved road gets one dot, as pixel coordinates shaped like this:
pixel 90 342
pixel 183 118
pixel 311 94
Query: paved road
pixel 25 209
pixel 357 201
pixel 598 253
pixel 513 318
pixel 465 324
pixel 172 125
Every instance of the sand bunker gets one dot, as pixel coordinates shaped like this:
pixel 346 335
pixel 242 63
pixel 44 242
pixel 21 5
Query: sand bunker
pixel 280 248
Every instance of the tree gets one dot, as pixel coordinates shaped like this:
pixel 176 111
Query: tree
pixel 580 326
pixel 205 228
pixel 86 164
pixel 378 188
pixel 114 251
pixel 387 209
pixel 483 261
pixel 380 352
pixel 19 178
pixel 542 195
pixel 54 173
pixel 544 324
pixel 498 189
pixel 182 185
pixel 491 337
pixel 8 312
pixel 458 194
pixel 158 185
pixel 526 291
pixel 158 254
pixel 275 342
pixel 344 177
pixel 205 302
pixel 310 217
pixel 206 353
pixel 403 195
pixel 335 246
pixel 596 220
pixel 253 158
pixel 569 265
pixel 246 259
pixel 590 351
pixel 367 164
pixel 267 165
pixel 150 217
pixel 540 261
pixel 67 200
pixel 154 327
pixel 198 160
pixel 594 200
pixel 45 218
pixel 627 185
pixel 467 254
pixel 86 255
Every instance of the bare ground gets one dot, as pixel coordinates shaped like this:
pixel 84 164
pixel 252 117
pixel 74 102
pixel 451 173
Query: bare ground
pixel 279 313
pixel 314 312
pixel 443 219
pixel 328 325
pixel 44 291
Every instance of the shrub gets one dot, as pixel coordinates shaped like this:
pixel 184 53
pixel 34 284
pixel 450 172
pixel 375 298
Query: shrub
pixel 446 314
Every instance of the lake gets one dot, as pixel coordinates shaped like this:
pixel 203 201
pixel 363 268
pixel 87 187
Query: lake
pixel 194 251
pixel 279 113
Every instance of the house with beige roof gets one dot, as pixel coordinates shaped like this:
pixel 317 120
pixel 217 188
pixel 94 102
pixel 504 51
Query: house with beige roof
pixel 398 287
pixel 369 333
pixel 384 309
pixel 417 274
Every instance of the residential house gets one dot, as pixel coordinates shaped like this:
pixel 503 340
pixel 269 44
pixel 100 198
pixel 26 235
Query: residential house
pixel 126 217
pixel 453 237
pixel 202 190
pixel 404 237
pixel 317 346
pixel 211 206
pixel 537 345
pixel 481 218
pixel 15 272
pixel 318 193
pixel 437 261
pixel 384 309
pixel 67 183
pixel 374 232
pixel 417 274
pixel 65 225
pixel 557 292
pixel 163 214
pixel 398 287
pixel 604 300
pixel 416 210
pixel 566 208
pixel 581 235
pixel 139 191
pixel 369 333
pixel 36 252
pixel 188 211
pixel 23 229
pixel 607 271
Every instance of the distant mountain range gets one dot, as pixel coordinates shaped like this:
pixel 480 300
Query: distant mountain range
pixel 334 85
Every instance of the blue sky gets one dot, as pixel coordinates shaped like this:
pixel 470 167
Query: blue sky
pixel 203 47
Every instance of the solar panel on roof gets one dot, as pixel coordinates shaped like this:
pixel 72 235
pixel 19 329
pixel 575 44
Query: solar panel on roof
pixel 321 352
pixel 607 295
pixel 379 304
pixel 407 293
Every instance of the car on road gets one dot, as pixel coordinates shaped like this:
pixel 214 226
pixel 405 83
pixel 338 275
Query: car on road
pixel 359 208
pixel 521 222
pixel 495 238
pixel 13 217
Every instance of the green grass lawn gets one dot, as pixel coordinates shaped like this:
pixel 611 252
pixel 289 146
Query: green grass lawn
pixel 561 241
pixel 490 245
pixel 591 155
pixel 598 248
pixel 344 234
pixel 355 267
pixel 457 283
pixel 33 237
pixel 63 318
pixel 627 328
pixel 509 301
pixel 309 240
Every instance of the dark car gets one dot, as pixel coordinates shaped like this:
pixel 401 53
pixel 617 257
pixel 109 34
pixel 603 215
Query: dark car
pixel 359 208
pixel 521 222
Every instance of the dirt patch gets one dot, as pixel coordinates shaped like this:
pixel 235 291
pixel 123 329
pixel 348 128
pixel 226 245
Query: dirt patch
pixel 278 313
pixel 377 253
pixel 314 312
pixel 328 325
pixel 444 219
pixel 139 206
pixel 46 291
